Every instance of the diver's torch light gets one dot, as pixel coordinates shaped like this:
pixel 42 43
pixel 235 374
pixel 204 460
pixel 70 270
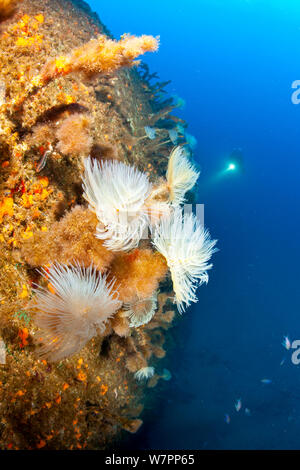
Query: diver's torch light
pixel 235 161
pixel 231 167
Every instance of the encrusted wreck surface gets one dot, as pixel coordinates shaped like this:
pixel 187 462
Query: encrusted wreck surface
pixel 88 400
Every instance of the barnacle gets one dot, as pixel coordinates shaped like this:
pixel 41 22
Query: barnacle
pixel 117 193
pixel 187 248
pixel 76 309
pixel 181 176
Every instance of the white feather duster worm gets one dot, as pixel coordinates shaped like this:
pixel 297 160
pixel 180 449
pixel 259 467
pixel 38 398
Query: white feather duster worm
pixel 141 311
pixel 181 176
pixel 187 247
pixel 117 193
pixel 144 374
pixel 78 308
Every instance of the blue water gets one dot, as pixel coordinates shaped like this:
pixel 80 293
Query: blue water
pixel 233 61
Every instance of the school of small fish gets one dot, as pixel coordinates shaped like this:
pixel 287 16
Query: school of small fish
pixel 286 343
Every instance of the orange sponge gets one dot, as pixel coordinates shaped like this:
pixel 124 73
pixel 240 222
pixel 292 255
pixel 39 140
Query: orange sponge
pixel 72 238
pixel 138 273
pixel 100 56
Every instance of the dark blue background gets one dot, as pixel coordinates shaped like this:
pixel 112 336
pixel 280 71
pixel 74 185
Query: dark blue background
pixel 234 63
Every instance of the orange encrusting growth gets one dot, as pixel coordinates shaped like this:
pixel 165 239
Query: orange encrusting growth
pixel 99 56
pixel 70 238
pixel 73 135
pixel 138 273
pixel 23 335
pixel 6 207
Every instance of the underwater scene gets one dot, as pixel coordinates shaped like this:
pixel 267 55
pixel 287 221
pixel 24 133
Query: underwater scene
pixel 149 211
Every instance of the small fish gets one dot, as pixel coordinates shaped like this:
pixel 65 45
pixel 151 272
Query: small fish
pixel 150 132
pixel 282 362
pixel 43 160
pixel 238 405
pixel 173 134
pixel 286 343
pixel 180 129
pixel 227 418
pixel 247 412
pixel 266 381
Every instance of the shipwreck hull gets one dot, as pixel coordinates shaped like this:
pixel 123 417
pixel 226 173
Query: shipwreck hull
pixel 92 398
